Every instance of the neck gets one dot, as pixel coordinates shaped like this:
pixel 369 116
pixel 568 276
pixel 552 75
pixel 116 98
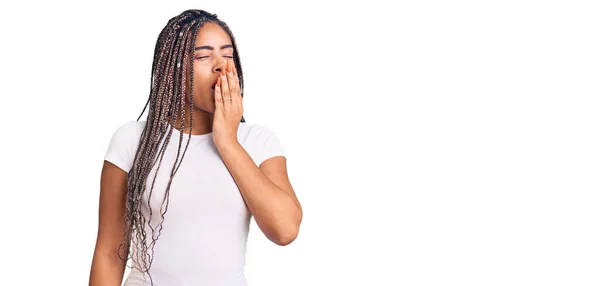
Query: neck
pixel 203 122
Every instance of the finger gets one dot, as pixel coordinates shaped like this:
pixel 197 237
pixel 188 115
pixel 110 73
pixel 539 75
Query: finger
pixel 235 73
pixel 218 97
pixel 234 90
pixel 240 99
pixel 225 89
pixel 234 70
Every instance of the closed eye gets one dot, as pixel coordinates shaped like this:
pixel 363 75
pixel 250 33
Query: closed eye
pixel 198 58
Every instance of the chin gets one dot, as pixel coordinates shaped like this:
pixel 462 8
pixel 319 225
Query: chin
pixel 208 109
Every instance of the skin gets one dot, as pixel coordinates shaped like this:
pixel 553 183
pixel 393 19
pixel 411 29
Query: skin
pixel 266 189
pixel 107 268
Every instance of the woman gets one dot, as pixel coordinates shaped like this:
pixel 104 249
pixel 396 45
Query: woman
pixel 232 170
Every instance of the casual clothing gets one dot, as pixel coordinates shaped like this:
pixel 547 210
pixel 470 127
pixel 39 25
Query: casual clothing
pixel 205 229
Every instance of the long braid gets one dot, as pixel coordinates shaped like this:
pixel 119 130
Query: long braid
pixel 171 78
pixel 173 56
pixel 179 81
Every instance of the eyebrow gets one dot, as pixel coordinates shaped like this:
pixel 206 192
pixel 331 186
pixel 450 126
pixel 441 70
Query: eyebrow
pixel 211 48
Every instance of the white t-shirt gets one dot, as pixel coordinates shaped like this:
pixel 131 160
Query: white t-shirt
pixel 205 229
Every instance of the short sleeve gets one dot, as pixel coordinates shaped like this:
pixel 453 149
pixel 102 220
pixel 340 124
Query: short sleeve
pixel 269 145
pixel 123 145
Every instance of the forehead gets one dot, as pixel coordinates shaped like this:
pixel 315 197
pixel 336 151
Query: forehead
pixel 212 34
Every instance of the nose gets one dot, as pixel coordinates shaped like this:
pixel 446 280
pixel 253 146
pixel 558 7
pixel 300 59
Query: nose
pixel 219 66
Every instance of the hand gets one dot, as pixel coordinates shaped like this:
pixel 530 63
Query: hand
pixel 228 102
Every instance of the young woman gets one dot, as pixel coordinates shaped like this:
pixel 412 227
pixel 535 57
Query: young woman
pixel 200 206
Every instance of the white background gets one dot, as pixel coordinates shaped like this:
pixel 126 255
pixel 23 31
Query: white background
pixel 430 143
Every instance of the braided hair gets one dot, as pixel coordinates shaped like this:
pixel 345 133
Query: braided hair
pixel 173 54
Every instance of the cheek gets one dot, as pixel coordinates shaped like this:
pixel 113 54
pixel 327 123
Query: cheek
pixel 201 73
pixel 200 79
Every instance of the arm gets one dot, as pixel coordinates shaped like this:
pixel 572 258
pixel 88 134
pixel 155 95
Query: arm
pixel 267 192
pixel 107 268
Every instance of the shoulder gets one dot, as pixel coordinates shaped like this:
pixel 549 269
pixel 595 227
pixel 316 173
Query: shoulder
pixel 128 133
pixel 124 143
pixel 131 129
pixel 260 141
pixel 249 132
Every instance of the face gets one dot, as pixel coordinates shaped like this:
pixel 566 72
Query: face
pixel 213 47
